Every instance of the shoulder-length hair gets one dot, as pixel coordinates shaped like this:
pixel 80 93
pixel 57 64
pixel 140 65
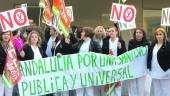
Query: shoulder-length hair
pixel 96 32
pixel 88 32
pixel 162 30
pixel 1 33
pixel 144 34
pixel 39 38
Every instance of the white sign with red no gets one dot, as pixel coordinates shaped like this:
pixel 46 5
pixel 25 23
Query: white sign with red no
pixel 13 19
pixel 123 13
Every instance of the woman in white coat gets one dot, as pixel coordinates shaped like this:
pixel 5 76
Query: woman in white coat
pixel 138 86
pixel 159 63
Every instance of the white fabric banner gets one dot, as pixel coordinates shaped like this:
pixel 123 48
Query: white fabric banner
pixel 49 75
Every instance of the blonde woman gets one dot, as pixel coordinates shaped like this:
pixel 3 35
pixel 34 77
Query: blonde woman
pixel 32 49
pixel 159 63
pixel 99 35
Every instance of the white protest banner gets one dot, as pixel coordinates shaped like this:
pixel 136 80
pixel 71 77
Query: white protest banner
pixel 13 19
pixel 165 19
pixel 123 13
pixel 68 72
pixel 125 26
pixel 70 12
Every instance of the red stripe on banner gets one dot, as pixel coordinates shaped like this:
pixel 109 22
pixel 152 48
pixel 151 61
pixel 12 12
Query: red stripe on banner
pixel 64 17
pixel 11 66
pixel 47 13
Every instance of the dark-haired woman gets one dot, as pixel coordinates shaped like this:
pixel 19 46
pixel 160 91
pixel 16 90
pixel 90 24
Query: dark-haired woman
pixel 137 87
pixel 86 44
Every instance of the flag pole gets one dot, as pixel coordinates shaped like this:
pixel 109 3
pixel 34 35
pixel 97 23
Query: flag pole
pixel 39 17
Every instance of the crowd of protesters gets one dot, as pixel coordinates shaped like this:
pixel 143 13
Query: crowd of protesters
pixel 30 45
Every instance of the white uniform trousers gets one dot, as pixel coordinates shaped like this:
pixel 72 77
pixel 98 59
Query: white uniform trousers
pixel 64 93
pixel 99 91
pixel 89 91
pixel 137 87
pixel 160 87
pixel 3 90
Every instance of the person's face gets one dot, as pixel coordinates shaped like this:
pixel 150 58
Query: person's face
pixel 139 35
pixel 25 35
pixel 100 33
pixel 34 38
pixel 113 32
pixel 159 36
pixel 52 31
pixel 107 31
pixel 6 36
pixel 82 35
pixel 75 33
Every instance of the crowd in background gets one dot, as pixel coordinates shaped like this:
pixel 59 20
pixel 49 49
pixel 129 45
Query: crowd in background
pixel 31 44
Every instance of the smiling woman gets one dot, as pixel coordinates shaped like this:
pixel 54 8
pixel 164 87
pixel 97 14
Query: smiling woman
pixel 32 50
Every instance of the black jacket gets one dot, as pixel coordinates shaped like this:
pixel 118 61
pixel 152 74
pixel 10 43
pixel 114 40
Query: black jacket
pixel 163 56
pixel 105 47
pixel 63 48
pixel 94 46
pixel 134 44
pixel 29 54
pixel 2 58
